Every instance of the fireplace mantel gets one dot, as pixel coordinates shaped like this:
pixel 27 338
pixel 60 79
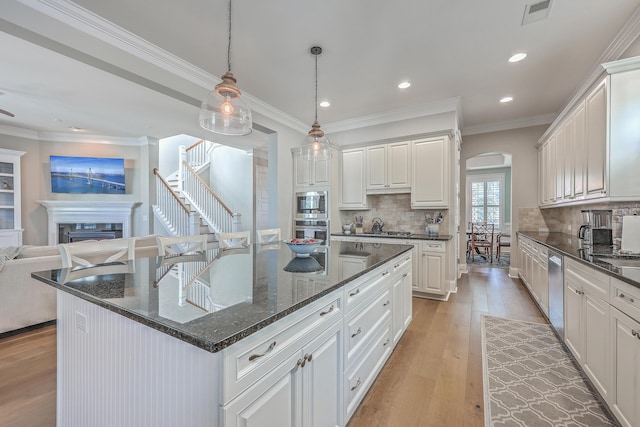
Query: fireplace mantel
pixel 94 211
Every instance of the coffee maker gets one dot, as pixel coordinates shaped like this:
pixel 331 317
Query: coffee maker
pixel 596 228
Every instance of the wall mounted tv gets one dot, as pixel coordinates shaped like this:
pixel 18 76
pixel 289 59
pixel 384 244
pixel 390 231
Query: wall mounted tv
pixel 99 175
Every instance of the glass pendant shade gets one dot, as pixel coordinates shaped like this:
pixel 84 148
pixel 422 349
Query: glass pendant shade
pixel 316 145
pixel 224 111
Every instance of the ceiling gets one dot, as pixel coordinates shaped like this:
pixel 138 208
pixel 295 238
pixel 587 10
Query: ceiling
pixel 133 69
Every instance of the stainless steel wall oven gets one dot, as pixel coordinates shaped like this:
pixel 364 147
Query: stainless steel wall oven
pixel 312 205
pixel 312 229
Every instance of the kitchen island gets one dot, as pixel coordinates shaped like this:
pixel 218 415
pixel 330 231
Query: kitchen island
pixel 229 337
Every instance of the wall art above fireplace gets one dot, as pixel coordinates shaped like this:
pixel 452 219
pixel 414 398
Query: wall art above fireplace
pixel 99 175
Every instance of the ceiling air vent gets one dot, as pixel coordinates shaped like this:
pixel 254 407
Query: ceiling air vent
pixel 536 12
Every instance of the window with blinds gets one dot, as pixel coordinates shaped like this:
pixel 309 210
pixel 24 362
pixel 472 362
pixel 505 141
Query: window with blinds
pixel 485 198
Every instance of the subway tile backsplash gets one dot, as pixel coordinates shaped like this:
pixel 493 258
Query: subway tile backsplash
pixel 396 213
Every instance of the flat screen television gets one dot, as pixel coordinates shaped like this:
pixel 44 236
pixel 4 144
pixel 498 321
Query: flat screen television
pixel 98 175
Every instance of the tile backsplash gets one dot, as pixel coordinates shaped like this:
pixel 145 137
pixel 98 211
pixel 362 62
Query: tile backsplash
pixel 569 218
pixel 396 213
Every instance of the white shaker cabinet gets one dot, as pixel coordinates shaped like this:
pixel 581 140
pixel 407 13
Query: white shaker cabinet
pixel 625 351
pixel 311 173
pixel 296 392
pixel 586 319
pixel 388 168
pixel 430 173
pixel 432 267
pixel 596 139
pixel 352 183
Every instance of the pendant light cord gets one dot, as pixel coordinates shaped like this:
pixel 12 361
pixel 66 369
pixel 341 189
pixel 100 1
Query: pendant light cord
pixel 316 98
pixel 229 43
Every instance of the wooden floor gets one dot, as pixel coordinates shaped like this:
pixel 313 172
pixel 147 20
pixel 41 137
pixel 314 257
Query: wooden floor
pixel 433 378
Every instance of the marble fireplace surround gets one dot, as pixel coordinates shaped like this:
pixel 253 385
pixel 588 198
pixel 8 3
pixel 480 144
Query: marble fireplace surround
pixel 94 211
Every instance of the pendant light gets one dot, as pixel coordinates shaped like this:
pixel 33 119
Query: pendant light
pixel 317 146
pixel 224 111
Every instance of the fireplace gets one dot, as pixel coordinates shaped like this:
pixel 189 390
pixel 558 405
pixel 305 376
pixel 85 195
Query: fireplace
pixel 73 220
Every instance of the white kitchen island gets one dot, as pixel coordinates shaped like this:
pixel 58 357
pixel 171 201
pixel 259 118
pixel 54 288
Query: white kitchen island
pixel 142 346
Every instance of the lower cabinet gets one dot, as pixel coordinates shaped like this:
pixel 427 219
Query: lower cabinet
pixel 315 368
pixel 625 351
pixel 533 271
pixel 432 268
pixel 301 391
pixel 586 321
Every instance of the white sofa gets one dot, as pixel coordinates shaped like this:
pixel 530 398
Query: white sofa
pixel 25 301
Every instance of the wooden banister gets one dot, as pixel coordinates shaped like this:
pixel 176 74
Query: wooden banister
pixel 193 146
pixel 173 193
pixel 207 188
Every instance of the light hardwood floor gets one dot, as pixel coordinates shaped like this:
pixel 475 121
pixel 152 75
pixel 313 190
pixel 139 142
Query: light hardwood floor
pixel 433 378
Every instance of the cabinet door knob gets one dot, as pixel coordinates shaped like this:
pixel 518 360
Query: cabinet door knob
pixel 357 385
pixel 267 351
pixel 385 343
pixel 385 273
pixel 386 303
pixel 405 274
pixel 356 333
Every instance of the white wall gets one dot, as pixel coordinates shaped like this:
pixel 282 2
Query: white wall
pixel 520 143
pixel 170 152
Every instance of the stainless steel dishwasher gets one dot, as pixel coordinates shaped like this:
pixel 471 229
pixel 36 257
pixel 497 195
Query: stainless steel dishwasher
pixel 556 292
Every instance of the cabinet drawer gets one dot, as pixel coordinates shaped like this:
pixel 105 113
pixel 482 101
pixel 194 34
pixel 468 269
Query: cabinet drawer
pixel 250 359
pixel 433 246
pixel 400 262
pixel 359 379
pixel 362 325
pixel 364 288
pixel 593 282
pixel 626 298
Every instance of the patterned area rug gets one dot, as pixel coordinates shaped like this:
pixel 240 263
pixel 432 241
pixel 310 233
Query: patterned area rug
pixel 530 380
pixel 479 260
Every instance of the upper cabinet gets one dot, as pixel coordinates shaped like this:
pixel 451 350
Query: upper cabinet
pixel 388 169
pixel 430 173
pixel 10 200
pixel 593 152
pixel 311 173
pixel 352 179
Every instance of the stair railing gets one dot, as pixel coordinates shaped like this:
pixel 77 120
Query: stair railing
pixel 212 209
pixel 178 216
pixel 198 153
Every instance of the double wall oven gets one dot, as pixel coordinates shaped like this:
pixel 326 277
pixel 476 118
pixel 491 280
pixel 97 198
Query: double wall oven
pixel 312 216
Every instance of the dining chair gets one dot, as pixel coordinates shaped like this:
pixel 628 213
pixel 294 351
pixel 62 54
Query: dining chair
pixel 173 245
pixel 92 252
pixel 502 241
pixel 482 236
pixel 236 239
pixel 270 235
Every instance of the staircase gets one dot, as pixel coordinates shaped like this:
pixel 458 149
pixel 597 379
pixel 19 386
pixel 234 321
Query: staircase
pixel 186 205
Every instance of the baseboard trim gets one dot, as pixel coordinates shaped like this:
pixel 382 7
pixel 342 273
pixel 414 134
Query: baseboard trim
pixel 27 329
pixel 513 273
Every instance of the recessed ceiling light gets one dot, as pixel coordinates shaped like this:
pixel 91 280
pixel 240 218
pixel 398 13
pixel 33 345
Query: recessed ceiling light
pixel 506 99
pixel 518 57
pixel 404 85
pixel 325 104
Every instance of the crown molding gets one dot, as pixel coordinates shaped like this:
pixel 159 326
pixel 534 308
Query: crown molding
pixel 87 22
pixel 620 43
pixel 18 132
pixel 622 65
pixel 543 119
pixel 431 108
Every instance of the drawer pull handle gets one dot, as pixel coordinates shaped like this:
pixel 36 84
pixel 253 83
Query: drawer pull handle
pixel 385 273
pixel 256 356
pixel 405 274
pixel 328 311
pixel 356 333
pixel 357 385
pixel 634 332
pixel 396 265
pixel 579 292
pixel 386 342
pixel 626 298
pixel 386 303
pixel 408 258
pixel 357 291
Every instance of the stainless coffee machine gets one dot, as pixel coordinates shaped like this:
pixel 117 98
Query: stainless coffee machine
pixel 596 228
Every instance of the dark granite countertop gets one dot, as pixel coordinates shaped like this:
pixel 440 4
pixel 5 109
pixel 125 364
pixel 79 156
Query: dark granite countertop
pixel 248 288
pixel 595 256
pixel 441 237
